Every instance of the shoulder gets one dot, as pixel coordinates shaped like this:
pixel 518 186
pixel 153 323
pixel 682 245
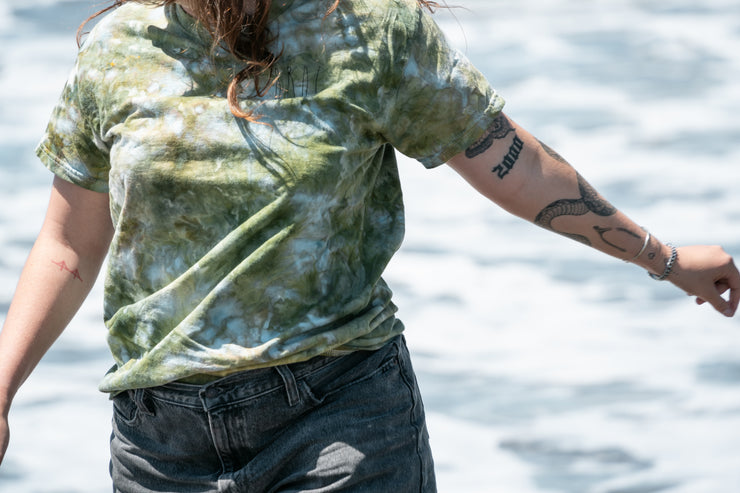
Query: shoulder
pixel 131 20
pixel 118 54
pixel 391 23
pixel 384 10
pixel 120 39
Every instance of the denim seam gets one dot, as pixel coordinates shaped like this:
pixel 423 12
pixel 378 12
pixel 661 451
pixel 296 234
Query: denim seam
pixel 226 465
pixel 419 431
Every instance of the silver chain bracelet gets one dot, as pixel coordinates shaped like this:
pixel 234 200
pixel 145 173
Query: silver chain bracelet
pixel 668 266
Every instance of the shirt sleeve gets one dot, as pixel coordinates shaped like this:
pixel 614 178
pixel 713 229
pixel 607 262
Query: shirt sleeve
pixel 438 103
pixel 71 146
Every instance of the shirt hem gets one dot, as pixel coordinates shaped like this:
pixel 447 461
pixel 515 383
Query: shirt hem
pixel 68 173
pixel 466 138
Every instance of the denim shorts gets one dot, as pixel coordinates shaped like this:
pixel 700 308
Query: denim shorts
pixel 352 423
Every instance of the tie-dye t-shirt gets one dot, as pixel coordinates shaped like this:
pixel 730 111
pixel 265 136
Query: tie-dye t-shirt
pixel 242 245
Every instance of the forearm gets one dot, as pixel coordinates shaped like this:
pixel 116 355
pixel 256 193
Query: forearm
pixel 52 286
pixel 568 205
pixel 529 179
pixel 58 274
pixel 532 181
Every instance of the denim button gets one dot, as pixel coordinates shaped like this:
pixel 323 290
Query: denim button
pixel 212 392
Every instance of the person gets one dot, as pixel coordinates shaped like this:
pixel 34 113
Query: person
pixel 234 161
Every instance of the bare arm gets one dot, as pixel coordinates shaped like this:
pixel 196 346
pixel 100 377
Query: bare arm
pixel 59 273
pixel 527 178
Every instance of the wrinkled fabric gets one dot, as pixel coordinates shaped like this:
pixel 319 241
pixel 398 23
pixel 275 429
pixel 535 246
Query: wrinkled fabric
pixel 243 245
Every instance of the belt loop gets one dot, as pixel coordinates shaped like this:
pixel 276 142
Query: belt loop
pixel 137 395
pixel 291 387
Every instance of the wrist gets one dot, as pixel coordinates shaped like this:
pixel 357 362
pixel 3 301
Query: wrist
pixel 657 258
pixel 669 265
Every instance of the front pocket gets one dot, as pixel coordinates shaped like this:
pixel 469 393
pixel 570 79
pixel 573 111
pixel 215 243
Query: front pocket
pixel 124 408
pixel 351 370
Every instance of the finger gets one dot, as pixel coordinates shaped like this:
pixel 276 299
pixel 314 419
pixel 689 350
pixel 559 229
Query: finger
pixel 728 307
pixel 734 301
pixel 720 286
pixel 715 299
pixel 733 284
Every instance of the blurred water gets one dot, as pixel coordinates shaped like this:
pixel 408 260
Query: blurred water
pixel 545 367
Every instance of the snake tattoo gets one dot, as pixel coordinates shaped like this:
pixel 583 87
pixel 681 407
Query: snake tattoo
pixel 590 201
pixel 501 128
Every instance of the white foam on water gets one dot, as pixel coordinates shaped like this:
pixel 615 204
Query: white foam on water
pixel 31 84
pixel 465 446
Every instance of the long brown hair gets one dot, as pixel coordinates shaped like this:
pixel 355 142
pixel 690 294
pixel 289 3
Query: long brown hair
pixel 243 32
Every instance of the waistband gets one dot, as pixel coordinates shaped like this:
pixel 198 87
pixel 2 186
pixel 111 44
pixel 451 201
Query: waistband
pixel 245 384
pixel 206 378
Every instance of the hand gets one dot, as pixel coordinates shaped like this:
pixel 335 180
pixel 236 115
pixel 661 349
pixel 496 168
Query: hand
pixel 708 272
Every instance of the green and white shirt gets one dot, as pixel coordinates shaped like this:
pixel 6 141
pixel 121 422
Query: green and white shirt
pixel 241 245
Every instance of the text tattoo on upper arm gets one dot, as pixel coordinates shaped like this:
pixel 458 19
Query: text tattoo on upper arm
pixel 500 128
pixel 510 159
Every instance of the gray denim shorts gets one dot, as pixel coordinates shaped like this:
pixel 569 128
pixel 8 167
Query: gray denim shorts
pixel 349 423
